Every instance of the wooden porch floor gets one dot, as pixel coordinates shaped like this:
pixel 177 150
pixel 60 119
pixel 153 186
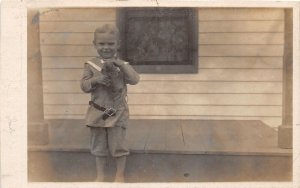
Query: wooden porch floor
pixel 228 137
pixel 168 151
pixel 224 137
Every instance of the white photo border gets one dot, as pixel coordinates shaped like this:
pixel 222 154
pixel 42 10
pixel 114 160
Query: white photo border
pixel 14 88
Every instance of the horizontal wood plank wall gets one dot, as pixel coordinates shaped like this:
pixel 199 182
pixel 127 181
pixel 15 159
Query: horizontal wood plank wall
pixel 240 67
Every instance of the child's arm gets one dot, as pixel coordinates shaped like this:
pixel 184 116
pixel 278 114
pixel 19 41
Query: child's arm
pixel 131 76
pixel 89 81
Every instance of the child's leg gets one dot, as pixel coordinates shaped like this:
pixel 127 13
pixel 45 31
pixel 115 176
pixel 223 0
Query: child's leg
pixel 98 145
pixel 100 164
pixel 121 164
pixel 118 149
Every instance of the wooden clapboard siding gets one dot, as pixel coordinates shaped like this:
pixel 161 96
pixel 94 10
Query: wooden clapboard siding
pixel 66 38
pixel 177 110
pixel 72 27
pixel 206 62
pixel 178 99
pixel 77 14
pixel 165 87
pixel 240 67
pixel 204 26
pixel 240 50
pixel 240 26
pixel 204 74
pixel 204 38
pixel 204 50
pixel 272 121
pixel 240 62
pixel 213 14
pixel 241 38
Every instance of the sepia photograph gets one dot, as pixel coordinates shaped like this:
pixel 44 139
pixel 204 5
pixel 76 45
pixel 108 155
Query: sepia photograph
pixel 209 94
pixel 159 94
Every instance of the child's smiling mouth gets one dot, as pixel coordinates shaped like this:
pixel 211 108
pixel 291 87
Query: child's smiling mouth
pixel 107 53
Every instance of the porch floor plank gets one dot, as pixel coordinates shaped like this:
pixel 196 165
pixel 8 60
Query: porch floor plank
pixel 195 134
pixel 174 137
pixel 157 139
pixel 229 135
pixel 222 137
pixel 212 136
pixel 138 135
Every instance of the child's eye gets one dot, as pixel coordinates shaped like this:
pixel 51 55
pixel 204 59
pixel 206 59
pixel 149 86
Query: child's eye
pixel 111 43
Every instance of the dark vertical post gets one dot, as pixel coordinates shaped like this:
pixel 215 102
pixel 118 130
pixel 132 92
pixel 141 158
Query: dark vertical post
pixel 285 132
pixel 37 128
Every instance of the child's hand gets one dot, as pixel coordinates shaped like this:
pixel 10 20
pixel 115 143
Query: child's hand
pixel 118 62
pixel 101 79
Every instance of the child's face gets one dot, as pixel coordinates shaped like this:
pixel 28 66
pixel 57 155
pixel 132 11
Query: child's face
pixel 106 45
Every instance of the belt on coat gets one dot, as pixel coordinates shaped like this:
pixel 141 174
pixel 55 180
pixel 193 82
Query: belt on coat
pixel 108 112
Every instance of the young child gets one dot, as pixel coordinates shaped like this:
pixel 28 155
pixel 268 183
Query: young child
pixel 105 77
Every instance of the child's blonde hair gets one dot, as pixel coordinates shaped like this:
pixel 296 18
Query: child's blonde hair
pixel 107 29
